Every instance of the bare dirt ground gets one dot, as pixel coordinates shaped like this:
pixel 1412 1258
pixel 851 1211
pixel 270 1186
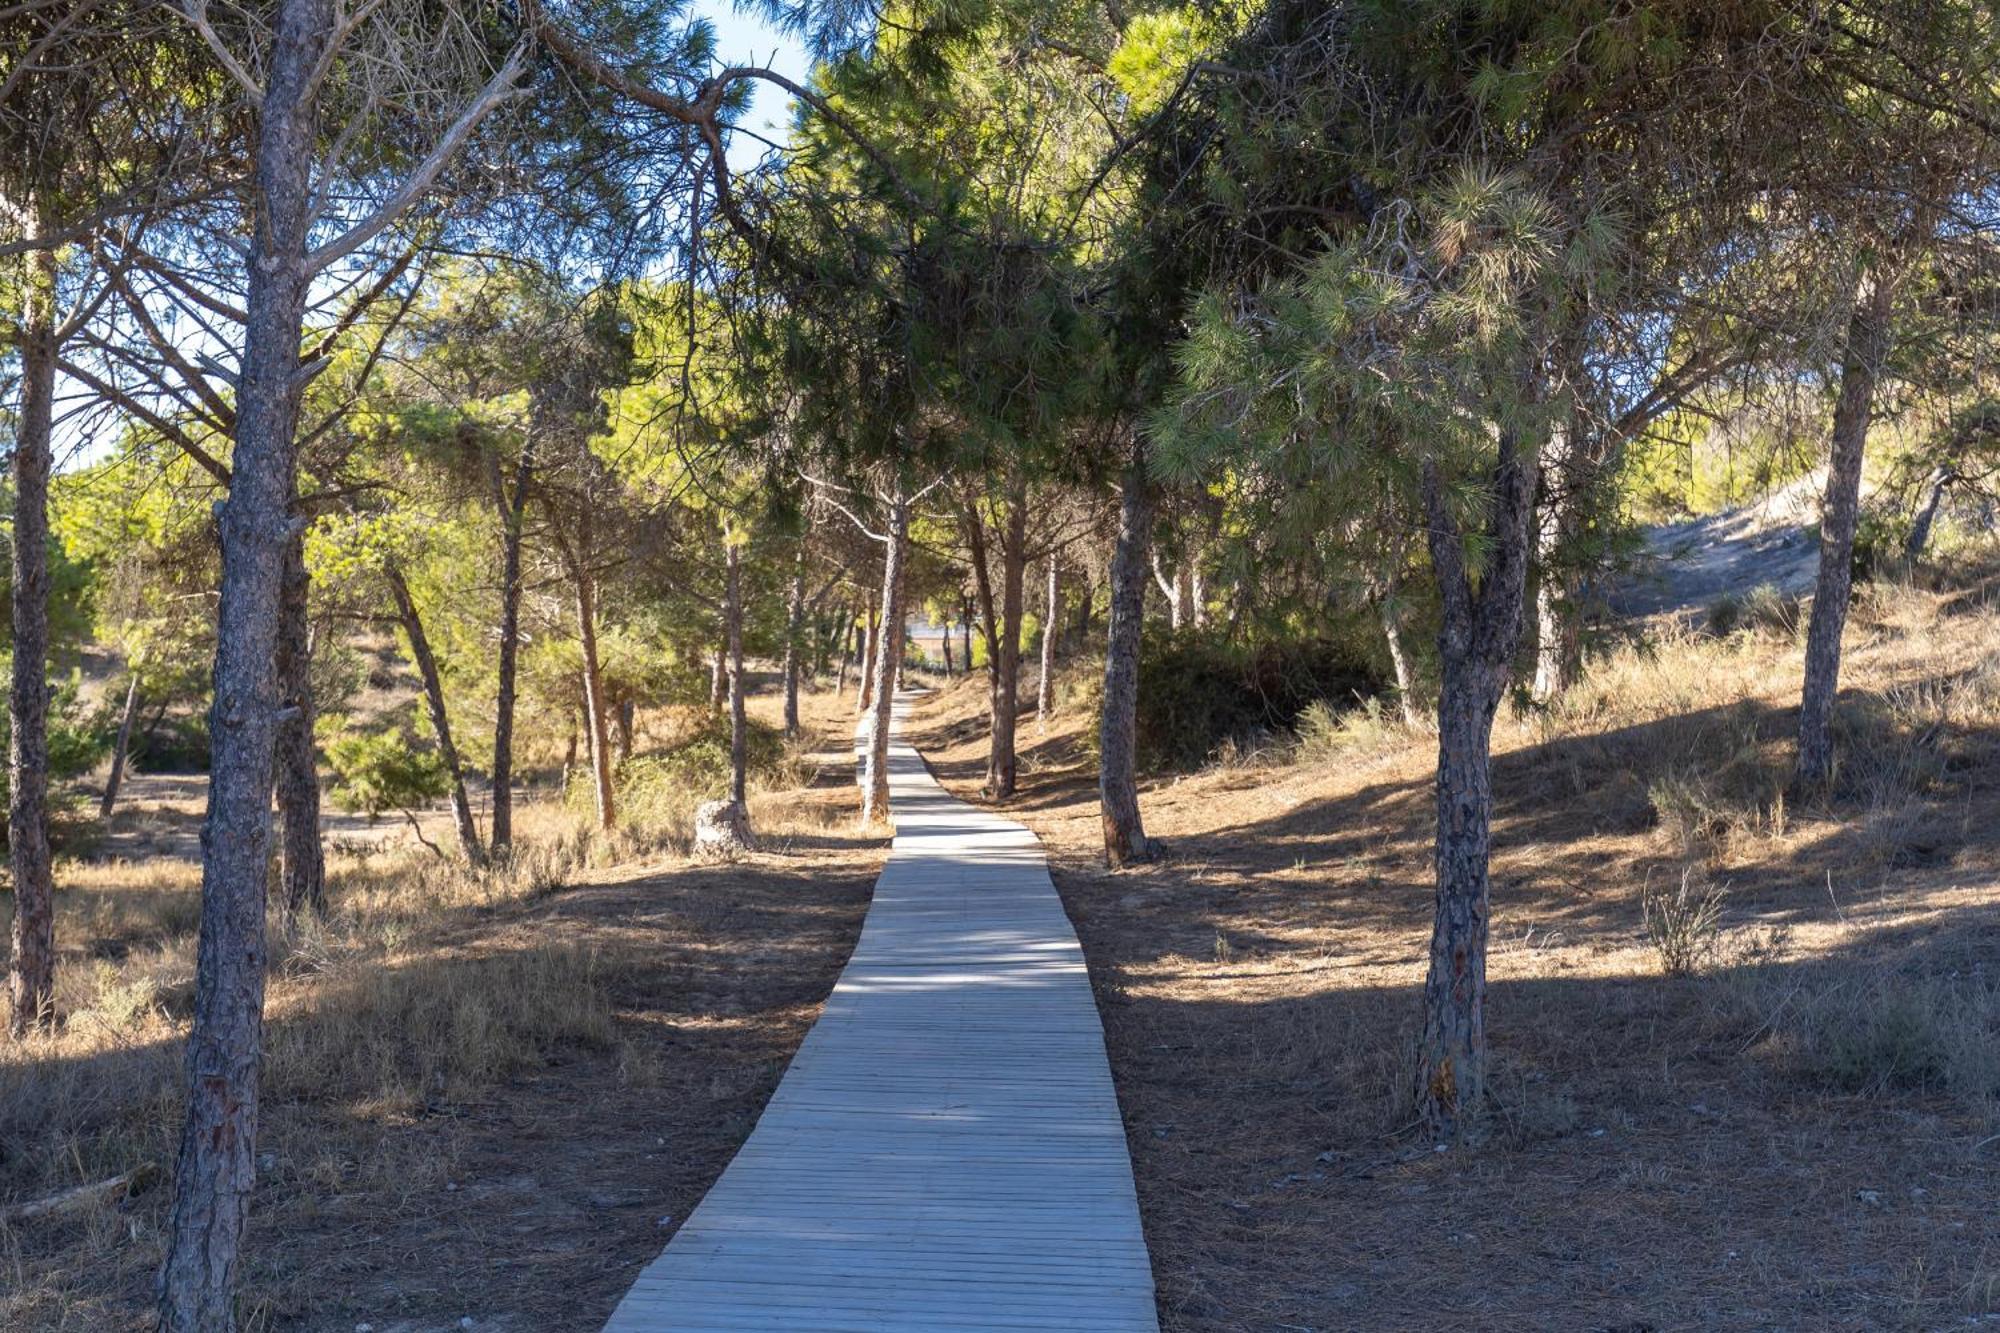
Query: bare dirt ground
pixel 487 1103
pixel 1801 1136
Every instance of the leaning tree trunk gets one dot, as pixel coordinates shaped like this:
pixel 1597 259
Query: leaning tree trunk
pixel 1125 840
pixel 513 514
pixel 31 976
pixel 297 764
pixel 1002 764
pixel 795 621
pixel 1399 659
pixel 594 720
pixel 1044 696
pixel 888 657
pixel 1861 365
pixel 121 749
pixel 216 1166
pixel 434 703
pixel 1919 539
pixel 1480 633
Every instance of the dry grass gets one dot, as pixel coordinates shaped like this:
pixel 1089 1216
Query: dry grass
pixel 486 1096
pixel 1799 1134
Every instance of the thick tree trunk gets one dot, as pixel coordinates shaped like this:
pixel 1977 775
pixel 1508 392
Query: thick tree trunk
pixel 1001 762
pixel 795 622
pixel 1861 365
pixel 594 720
pixel 297 761
pixel 31 976
pixel 216 1166
pixel 512 510
pixel 1480 634
pixel 121 749
pixel 1044 695
pixel 888 659
pixel 1125 840
pixel 434 703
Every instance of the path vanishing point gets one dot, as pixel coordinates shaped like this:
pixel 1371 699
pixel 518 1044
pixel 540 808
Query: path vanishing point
pixel 945 1151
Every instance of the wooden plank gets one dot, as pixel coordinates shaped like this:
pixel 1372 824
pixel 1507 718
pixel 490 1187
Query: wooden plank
pixel 945 1152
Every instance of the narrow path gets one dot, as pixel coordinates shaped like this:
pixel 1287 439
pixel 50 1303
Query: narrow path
pixel 945 1152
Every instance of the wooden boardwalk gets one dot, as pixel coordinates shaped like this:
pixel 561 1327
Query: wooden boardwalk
pixel 945 1152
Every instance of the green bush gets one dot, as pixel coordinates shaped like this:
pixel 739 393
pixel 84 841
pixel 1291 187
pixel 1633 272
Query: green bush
pixel 384 770
pixel 76 740
pixel 1197 693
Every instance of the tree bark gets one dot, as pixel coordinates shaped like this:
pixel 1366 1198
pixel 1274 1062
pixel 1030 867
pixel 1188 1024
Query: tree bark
pixel 1399 660
pixel 888 655
pixel 1002 764
pixel 739 724
pixel 1919 539
pixel 434 703
pixel 795 621
pixel 1861 365
pixel 1044 696
pixel 297 760
pixel 1480 634
pixel 594 720
pixel 121 748
pixel 512 510
pixel 865 690
pixel 216 1166
pixel 1558 618
pixel 31 976
pixel 1125 841
pixel 718 675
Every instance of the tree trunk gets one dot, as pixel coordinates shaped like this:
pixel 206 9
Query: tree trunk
pixel 965 636
pixel 513 513
pixel 1044 696
pixel 297 761
pixel 31 977
pixel 121 748
pixel 794 631
pixel 1399 659
pixel 1170 588
pixel 1125 840
pixel 944 641
pixel 1480 633
pixel 739 724
pixel 1558 618
pixel 1001 762
pixel 216 1166
pixel 866 689
pixel 594 720
pixel 434 703
pixel 888 654
pixel 1919 539
pixel 718 675
pixel 1867 349
pixel 626 718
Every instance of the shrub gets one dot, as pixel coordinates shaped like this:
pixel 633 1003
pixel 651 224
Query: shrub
pixel 1683 924
pixel 1762 609
pixel 658 792
pixel 1197 692
pixel 378 771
